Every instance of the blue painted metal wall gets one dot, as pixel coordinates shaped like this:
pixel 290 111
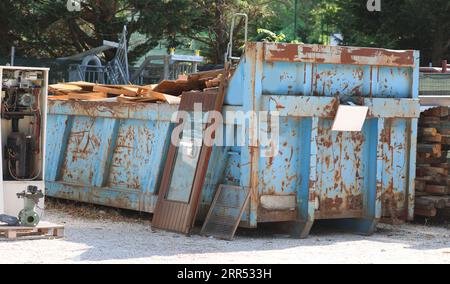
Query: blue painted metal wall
pixel 109 154
pixel 112 154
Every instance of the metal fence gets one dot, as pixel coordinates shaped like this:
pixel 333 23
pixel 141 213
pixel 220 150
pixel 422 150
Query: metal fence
pixel 435 84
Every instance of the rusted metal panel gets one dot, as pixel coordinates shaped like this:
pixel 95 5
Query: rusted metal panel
pixel 266 216
pixel 335 175
pixel 112 158
pixel 327 106
pixel 115 110
pixel 353 179
pixel 338 55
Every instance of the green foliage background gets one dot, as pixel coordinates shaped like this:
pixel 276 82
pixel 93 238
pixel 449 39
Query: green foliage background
pixel 46 29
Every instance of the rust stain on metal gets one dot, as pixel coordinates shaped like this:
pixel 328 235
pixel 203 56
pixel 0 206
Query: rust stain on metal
pixel 332 204
pixel 338 55
pixel 276 216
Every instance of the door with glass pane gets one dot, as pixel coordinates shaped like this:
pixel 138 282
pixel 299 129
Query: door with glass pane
pixel 186 167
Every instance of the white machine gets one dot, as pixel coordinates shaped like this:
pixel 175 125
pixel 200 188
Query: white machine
pixel 24 92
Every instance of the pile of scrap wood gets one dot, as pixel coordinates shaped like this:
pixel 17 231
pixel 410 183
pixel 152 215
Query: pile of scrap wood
pixel 167 91
pixel 433 160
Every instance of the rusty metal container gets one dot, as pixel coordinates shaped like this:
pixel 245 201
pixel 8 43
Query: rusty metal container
pixel 113 154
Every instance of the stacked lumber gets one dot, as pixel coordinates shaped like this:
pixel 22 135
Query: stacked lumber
pixel 166 92
pixel 84 91
pixel 433 164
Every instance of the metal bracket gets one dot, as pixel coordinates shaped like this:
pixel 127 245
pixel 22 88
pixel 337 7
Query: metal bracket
pixel 229 55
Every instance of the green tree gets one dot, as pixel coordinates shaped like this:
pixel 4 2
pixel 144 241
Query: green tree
pixel 6 25
pixel 46 28
pixel 401 24
pixel 208 23
pixel 313 23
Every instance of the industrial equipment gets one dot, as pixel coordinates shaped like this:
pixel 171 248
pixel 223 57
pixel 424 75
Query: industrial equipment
pixel 23 112
pixel 28 217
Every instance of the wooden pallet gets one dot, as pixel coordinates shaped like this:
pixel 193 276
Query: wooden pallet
pixel 433 163
pixel 43 230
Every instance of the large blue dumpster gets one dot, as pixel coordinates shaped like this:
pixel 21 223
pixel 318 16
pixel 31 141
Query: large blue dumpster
pixel 113 154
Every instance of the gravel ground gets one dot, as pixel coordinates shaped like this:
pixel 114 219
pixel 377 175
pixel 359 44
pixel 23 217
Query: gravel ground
pixel 131 240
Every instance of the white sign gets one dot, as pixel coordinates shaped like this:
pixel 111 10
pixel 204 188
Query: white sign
pixel 350 118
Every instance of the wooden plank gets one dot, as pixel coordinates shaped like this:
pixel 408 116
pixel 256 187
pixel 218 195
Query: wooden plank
pixel 426 212
pixel 124 99
pixel 44 229
pixel 423 156
pixel 206 74
pixel 86 86
pixel 428 131
pixel 420 185
pixel 434 149
pixel 172 100
pixel 81 84
pixel 438 202
pixel 431 171
pixel 431 139
pixel 430 160
pixel 87 96
pixel 42 225
pixel 58 98
pixel 438 112
pixel 429 121
pixel 436 180
pixel 58 232
pixel 419 193
pixel 64 87
pixel 423 202
pixel 116 91
pixel 213 82
pixel 437 189
pixel 446 140
pixel 176 88
pixel 11 235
